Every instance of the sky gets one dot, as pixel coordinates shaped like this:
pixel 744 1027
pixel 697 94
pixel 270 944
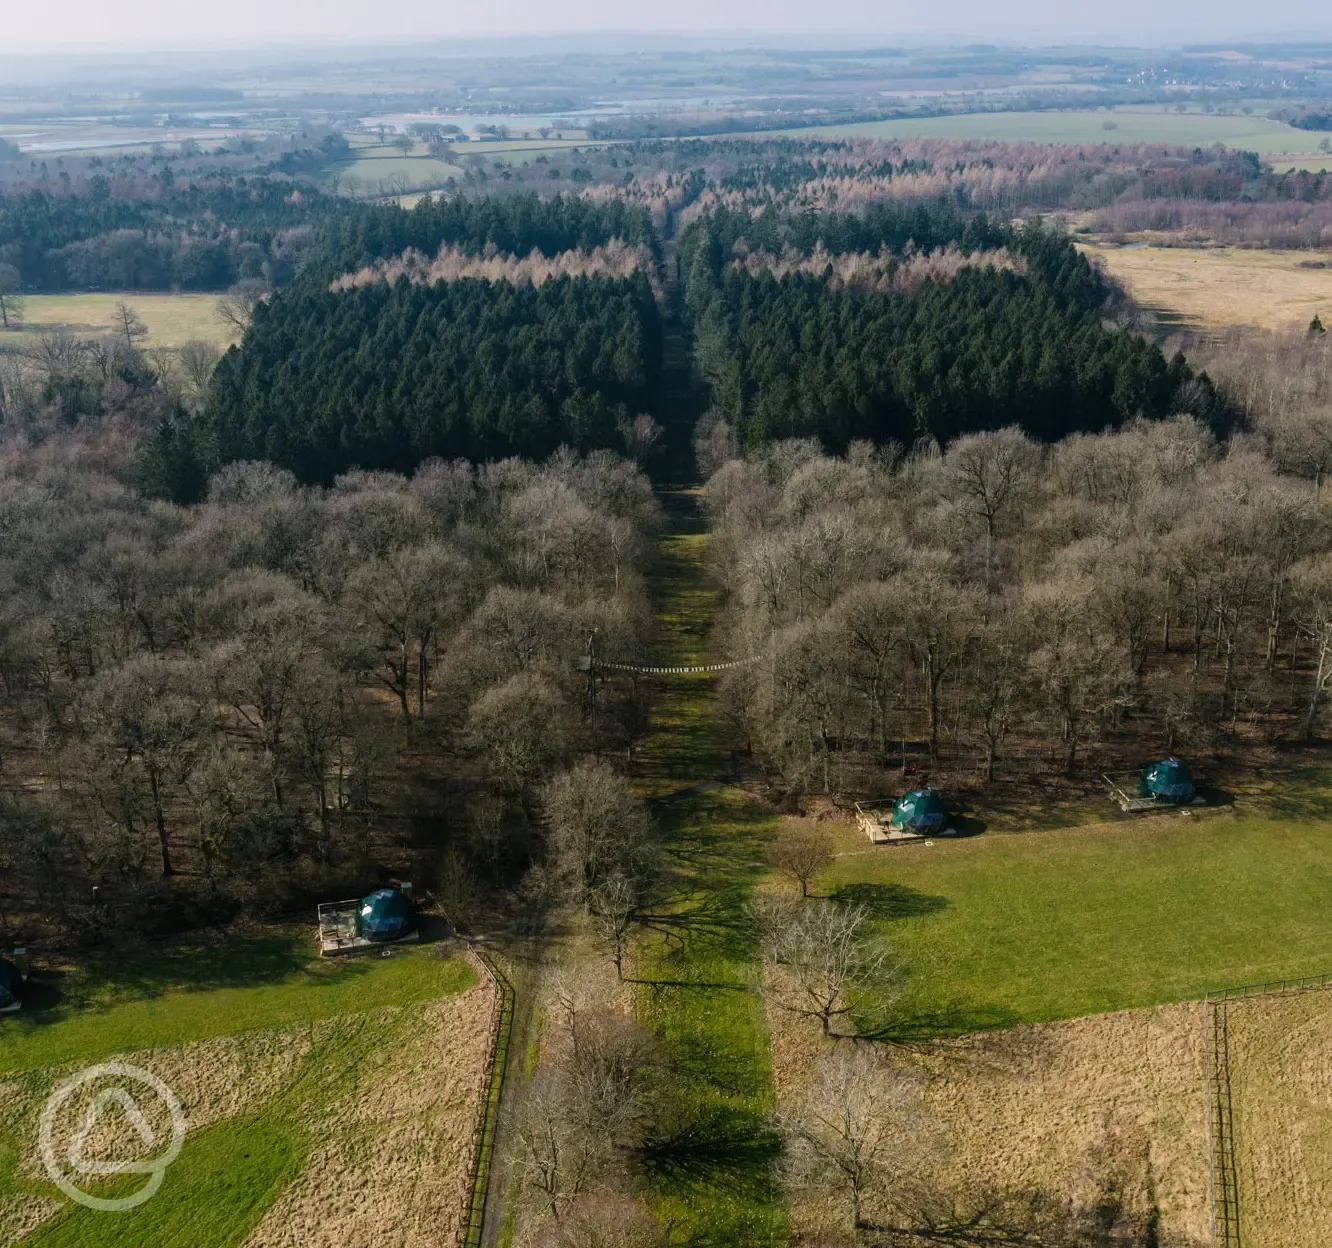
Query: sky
pixel 118 24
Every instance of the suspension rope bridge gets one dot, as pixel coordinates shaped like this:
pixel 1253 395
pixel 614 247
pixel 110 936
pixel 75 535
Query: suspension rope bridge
pixel 647 669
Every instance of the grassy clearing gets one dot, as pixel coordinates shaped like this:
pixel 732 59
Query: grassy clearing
pixel 376 164
pixel 1225 287
pixel 698 968
pixel 240 986
pixel 172 320
pixel 1255 134
pixel 996 930
pixel 379 1047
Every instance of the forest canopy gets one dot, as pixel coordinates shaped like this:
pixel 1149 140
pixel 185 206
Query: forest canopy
pixel 804 355
pixel 386 375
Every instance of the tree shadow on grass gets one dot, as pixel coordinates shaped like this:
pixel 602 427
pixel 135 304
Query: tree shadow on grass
pixel 717 1146
pixel 964 825
pixel 237 962
pixel 911 1025
pixel 889 901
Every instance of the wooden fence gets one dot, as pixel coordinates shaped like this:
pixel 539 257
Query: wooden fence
pixel 1223 1175
pixel 486 1126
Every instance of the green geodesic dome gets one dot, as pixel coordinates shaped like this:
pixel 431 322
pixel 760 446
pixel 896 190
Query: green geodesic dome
pixel 1166 781
pixel 386 914
pixel 11 983
pixel 921 810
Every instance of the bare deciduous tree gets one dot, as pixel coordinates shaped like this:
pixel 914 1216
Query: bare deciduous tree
pixel 598 828
pixel 11 297
pixel 237 306
pixel 558 1158
pixel 835 965
pixel 801 853
pixel 857 1126
pixel 128 326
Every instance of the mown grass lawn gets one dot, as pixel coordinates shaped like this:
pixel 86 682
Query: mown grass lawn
pixel 1054 924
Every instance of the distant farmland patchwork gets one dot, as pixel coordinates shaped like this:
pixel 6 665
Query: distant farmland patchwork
pixel 1119 125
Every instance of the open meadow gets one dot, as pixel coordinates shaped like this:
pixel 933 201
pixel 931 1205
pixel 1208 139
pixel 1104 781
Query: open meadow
pixel 1221 288
pixel 1004 929
pixel 1050 1006
pixel 172 319
pixel 375 166
pixel 326 1103
pixel 1117 125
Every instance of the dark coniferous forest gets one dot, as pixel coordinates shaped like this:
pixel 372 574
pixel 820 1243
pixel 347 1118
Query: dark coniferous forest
pixel 389 376
pixel 1012 330
pixel 804 354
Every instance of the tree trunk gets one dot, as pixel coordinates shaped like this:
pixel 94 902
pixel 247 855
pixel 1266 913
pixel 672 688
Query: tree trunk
pixel 1320 677
pixel 160 819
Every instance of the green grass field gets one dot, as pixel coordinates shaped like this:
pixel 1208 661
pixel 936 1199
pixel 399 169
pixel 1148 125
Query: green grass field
pixel 715 1178
pixel 229 1172
pixel 1256 134
pixel 171 319
pixel 378 164
pixel 191 993
pixel 1027 928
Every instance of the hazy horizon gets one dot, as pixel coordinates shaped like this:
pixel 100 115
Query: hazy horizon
pixel 85 26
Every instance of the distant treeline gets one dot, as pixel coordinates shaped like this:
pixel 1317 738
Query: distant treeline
pixel 516 226
pixel 386 376
pixel 153 234
pixel 986 349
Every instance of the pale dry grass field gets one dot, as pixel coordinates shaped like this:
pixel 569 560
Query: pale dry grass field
pixel 1281 1084
pixel 172 320
pixel 1074 1108
pixel 1221 288
pixel 391 1153
pixel 213 1079
pixel 395 1157
pixel 1059 1109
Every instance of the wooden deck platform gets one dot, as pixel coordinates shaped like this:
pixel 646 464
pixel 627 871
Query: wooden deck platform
pixel 338 934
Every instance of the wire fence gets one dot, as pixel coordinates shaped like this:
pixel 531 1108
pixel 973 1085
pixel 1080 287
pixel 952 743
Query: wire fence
pixel 1274 987
pixel 1223 1172
pixel 486 1126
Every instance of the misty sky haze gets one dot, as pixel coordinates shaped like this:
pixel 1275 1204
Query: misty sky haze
pixel 35 24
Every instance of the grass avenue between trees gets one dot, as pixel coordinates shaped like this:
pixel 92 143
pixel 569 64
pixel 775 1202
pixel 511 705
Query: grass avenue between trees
pixel 716 1179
